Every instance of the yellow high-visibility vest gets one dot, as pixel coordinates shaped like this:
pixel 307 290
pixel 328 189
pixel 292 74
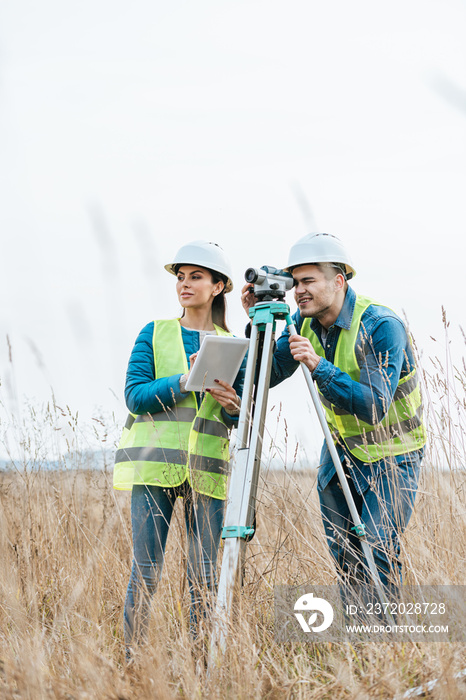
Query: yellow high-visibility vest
pixel 401 430
pixel 178 443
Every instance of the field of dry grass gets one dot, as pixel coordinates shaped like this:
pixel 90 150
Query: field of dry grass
pixel 65 555
pixel 65 552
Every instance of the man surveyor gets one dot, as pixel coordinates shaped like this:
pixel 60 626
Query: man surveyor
pixel 360 356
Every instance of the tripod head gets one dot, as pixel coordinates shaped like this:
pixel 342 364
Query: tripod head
pixel 269 283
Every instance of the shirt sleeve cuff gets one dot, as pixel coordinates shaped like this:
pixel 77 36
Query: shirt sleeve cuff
pixel 230 421
pixel 174 387
pixel 323 373
pixel 182 383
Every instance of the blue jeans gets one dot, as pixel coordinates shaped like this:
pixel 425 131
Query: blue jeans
pixel 151 512
pixel 385 508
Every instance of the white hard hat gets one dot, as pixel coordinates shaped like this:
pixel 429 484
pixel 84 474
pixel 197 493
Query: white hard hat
pixel 320 248
pixel 204 254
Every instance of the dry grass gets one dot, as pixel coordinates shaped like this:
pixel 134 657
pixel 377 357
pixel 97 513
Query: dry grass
pixel 65 552
pixel 65 557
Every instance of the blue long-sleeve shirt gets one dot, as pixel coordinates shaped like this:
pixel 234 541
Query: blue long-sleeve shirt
pixel 384 355
pixel 146 394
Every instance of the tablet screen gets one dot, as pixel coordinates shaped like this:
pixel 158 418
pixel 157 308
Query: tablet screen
pixel 219 357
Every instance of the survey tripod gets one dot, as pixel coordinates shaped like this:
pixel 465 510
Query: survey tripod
pixel 270 286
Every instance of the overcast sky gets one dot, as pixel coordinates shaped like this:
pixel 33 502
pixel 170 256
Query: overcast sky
pixel 128 129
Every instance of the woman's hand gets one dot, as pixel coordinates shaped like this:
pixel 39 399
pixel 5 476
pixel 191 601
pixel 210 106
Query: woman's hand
pixel 192 360
pixel 184 377
pixel 226 396
pixel 302 351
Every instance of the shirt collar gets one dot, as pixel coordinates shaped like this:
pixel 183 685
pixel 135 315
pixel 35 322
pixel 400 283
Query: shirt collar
pixel 346 314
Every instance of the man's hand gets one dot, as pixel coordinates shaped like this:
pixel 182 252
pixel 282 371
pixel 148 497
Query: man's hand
pixel 302 351
pixel 248 299
pixel 226 396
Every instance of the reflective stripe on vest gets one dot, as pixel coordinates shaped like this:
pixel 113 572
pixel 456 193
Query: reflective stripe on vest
pixel 181 442
pixel 401 430
pixel 158 454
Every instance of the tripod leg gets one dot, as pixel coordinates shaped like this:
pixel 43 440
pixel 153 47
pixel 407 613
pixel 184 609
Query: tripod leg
pixel 248 387
pixel 358 526
pixel 239 517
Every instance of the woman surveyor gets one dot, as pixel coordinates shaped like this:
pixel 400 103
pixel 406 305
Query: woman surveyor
pixel 176 443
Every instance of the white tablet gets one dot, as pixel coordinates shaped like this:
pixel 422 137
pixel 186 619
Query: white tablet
pixel 219 357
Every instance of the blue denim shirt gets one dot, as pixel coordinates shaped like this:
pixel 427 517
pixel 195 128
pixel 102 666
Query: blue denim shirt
pixel 384 355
